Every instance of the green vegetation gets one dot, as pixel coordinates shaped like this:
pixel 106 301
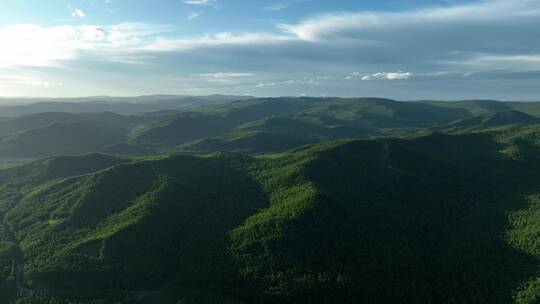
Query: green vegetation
pixel 493 120
pixel 447 214
pixel 254 126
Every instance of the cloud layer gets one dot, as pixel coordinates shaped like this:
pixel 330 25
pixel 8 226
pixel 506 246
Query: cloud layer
pixel 422 50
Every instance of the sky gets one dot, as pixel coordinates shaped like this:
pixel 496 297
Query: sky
pixel 407 49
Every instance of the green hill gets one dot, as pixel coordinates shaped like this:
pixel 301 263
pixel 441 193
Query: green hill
pixel 301 120
pixel 61 138
pixel 478 107
pixel 219 122
pixel 183 128
pixel 248 142
pixel 46 134
pixel 494 120
pixel 119 105
pixel 439 218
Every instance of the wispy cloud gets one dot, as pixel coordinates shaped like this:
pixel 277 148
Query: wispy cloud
pixel 76 12
pixel 162 44
pixel 193 15
pixel 226 75
pixel 413 45
pixel 311 81
pixel 201 2
pixel 35 46
pixel 277 7
pixel 387 76
pixel 27 81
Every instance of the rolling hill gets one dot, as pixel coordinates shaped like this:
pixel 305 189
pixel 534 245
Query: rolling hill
pixel 304 120
pixel 478 107
pixel 496 120
pixel 121 105
pixel 441 217
pixel 61 138
pixel 223 123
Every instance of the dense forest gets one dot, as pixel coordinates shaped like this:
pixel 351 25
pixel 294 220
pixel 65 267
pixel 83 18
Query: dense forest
pixel 286 200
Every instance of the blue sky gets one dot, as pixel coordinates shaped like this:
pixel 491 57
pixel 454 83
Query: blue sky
pixel 408 49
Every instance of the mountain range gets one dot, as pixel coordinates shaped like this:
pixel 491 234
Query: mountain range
pixel 285 200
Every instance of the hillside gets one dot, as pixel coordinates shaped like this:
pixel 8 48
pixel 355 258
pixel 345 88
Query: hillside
pixel 253 142
pixel 119 105
pixel 495 120
pixel 61 138
pixel 442 218
pixel 51 133
pixel 304 120
pixel 223 123
pixel 479 107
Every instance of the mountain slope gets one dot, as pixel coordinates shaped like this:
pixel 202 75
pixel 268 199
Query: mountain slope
pixel 61 138
pixel 248 142
pixel 301 120
pixel 479 107
pixel 415 220
pixel 183 128
pixel 119 105
pixel 495 120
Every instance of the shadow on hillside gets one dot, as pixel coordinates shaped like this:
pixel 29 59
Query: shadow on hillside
pixel 172 230
pixel 412 221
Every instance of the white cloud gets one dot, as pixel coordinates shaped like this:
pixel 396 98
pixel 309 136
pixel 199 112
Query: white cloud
pixel 226 75
pixel 353 75
pixel 75 12
pixel 311 81
pixel 268 84
pixel 27 81
pixel 336 24
pixel 32 45
pixel 277 7
pixel 453 39
pixel 216 40
pixel 200 2
pixel 282 5
pixel 482 62
pixel 387 76
pixel 193 15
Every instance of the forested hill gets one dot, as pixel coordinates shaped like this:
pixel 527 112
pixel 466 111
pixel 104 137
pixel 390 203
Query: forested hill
pixel 436 218
pixel 234 124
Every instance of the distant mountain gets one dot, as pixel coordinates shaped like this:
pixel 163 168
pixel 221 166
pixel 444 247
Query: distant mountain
pixel 221 123
pixel 496 119
pixel 478 107
pixel 61 138
pixel 119 105
pixel 248 142
pixel 14 125
pixel 183 128
pixel 301 120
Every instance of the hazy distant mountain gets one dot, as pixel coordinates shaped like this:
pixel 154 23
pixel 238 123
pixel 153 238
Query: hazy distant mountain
pixel 496 119
pixel 258 125
pixel 120 105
